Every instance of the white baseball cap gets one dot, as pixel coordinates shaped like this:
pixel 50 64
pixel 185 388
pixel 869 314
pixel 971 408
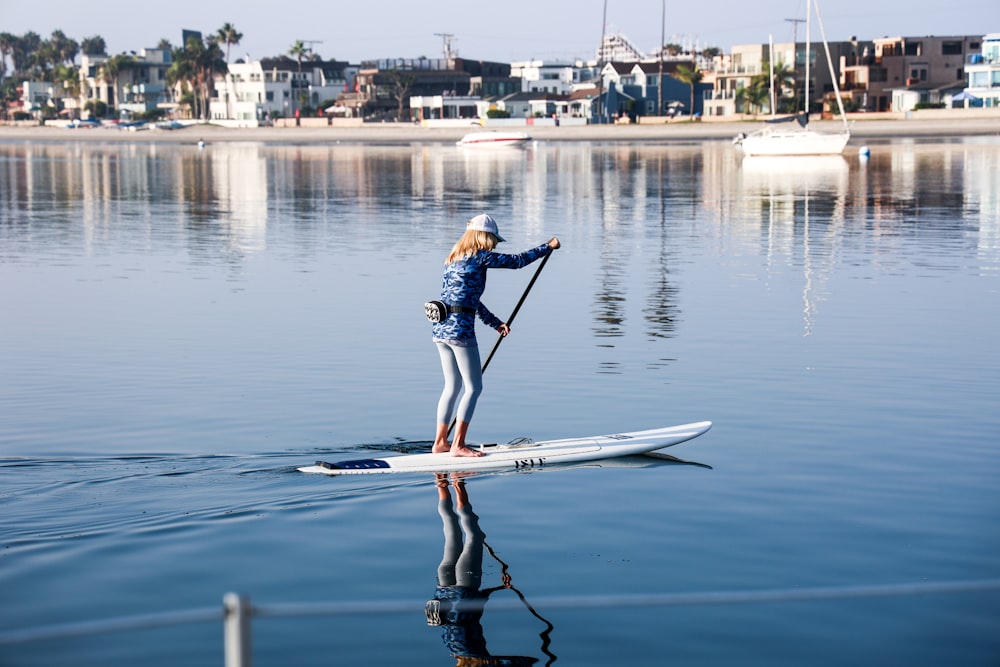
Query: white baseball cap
pixel 485 223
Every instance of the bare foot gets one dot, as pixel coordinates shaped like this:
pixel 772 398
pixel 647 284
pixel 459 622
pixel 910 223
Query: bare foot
pixel 441 439
pixel 462 450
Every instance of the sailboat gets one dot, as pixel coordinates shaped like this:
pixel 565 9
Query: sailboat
pixel 793 140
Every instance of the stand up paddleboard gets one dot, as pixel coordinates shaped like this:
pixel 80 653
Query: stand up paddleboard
pixel 521 455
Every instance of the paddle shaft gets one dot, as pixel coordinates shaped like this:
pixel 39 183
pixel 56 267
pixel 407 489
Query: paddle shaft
pixel 513 314
pixel 510 320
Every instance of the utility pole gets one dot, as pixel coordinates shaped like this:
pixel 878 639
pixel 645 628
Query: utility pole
pixel 309 43
pixel 446 44
pixel 795 29
pixel 795 53
pixel 795 40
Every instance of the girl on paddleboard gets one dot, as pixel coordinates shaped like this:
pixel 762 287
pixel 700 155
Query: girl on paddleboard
pixel 455 335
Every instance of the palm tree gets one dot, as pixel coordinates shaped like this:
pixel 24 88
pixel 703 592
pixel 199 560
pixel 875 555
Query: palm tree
pixel 228 35
pixel 43 59
pixel 68 78
pixel 93 46
pixel 65 48
pixel 754 95
pixel 111 70
pixel 181 73
pixel 7 42
pixel 24 50
pixel 299 50
pixel 783 78
pixel 691 76
pixel 211 62
pixel 742 98
pixel 193 69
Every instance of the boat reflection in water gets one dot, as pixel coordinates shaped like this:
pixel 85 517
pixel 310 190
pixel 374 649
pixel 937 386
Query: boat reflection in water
pixel 459 599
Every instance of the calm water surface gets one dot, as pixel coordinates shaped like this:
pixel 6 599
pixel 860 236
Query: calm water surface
pixel 181 328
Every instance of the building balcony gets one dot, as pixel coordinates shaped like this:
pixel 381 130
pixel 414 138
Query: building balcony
pixel 739 70
pixel 720 95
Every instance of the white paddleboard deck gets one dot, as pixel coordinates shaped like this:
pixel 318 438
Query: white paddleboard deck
pixel 520 456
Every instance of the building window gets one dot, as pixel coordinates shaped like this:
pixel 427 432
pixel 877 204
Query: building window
pixel 913 48
pixel 951 48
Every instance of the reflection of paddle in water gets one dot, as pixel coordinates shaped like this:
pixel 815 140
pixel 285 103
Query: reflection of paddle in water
pixel 459 601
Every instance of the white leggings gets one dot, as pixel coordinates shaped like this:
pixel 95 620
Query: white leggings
pixel 462 370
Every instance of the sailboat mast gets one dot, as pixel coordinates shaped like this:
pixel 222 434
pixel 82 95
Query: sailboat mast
pixel 805 102
pixel 770 61
pixel 833 75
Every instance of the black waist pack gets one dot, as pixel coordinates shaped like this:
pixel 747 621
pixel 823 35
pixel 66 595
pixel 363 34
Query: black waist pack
pixel 438 311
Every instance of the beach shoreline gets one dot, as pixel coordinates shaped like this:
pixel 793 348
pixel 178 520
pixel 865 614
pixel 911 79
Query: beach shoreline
pixel 405 133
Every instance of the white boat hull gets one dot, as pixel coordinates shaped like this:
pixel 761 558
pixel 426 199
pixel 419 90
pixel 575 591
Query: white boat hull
pixel 494 140
pixel 794 142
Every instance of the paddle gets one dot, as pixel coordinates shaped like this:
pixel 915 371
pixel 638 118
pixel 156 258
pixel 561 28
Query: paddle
pixel 510 320
pixel 513 314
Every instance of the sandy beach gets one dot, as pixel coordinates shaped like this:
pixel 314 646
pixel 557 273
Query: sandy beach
pixel 400 134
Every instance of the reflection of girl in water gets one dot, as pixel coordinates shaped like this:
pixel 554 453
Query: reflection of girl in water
pixel 458 601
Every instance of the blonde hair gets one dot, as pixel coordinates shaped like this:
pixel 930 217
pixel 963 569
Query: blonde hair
pixel 472 241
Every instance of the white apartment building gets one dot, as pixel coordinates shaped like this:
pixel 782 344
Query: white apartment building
pixel 252 92
pixel 538 76
pixel 983 72
pixel 141 84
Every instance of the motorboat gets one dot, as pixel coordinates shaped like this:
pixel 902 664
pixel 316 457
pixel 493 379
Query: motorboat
pixel 494 139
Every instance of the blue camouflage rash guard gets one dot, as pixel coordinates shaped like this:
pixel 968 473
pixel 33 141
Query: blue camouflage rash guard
pixel 463 284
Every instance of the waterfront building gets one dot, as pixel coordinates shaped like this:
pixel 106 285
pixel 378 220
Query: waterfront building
pixel 254 91
pixel 747 70
pixel 631 89
pixel 983 74
pixel 902 73
pixel 385 87
pixel 557 78
pixel 138 83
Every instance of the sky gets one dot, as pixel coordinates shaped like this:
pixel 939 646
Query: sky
pixel 505 31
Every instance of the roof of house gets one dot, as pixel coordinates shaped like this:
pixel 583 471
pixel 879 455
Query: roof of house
pixel 534 96
pixel 287 63
pixel 583 93
pixel 669 66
